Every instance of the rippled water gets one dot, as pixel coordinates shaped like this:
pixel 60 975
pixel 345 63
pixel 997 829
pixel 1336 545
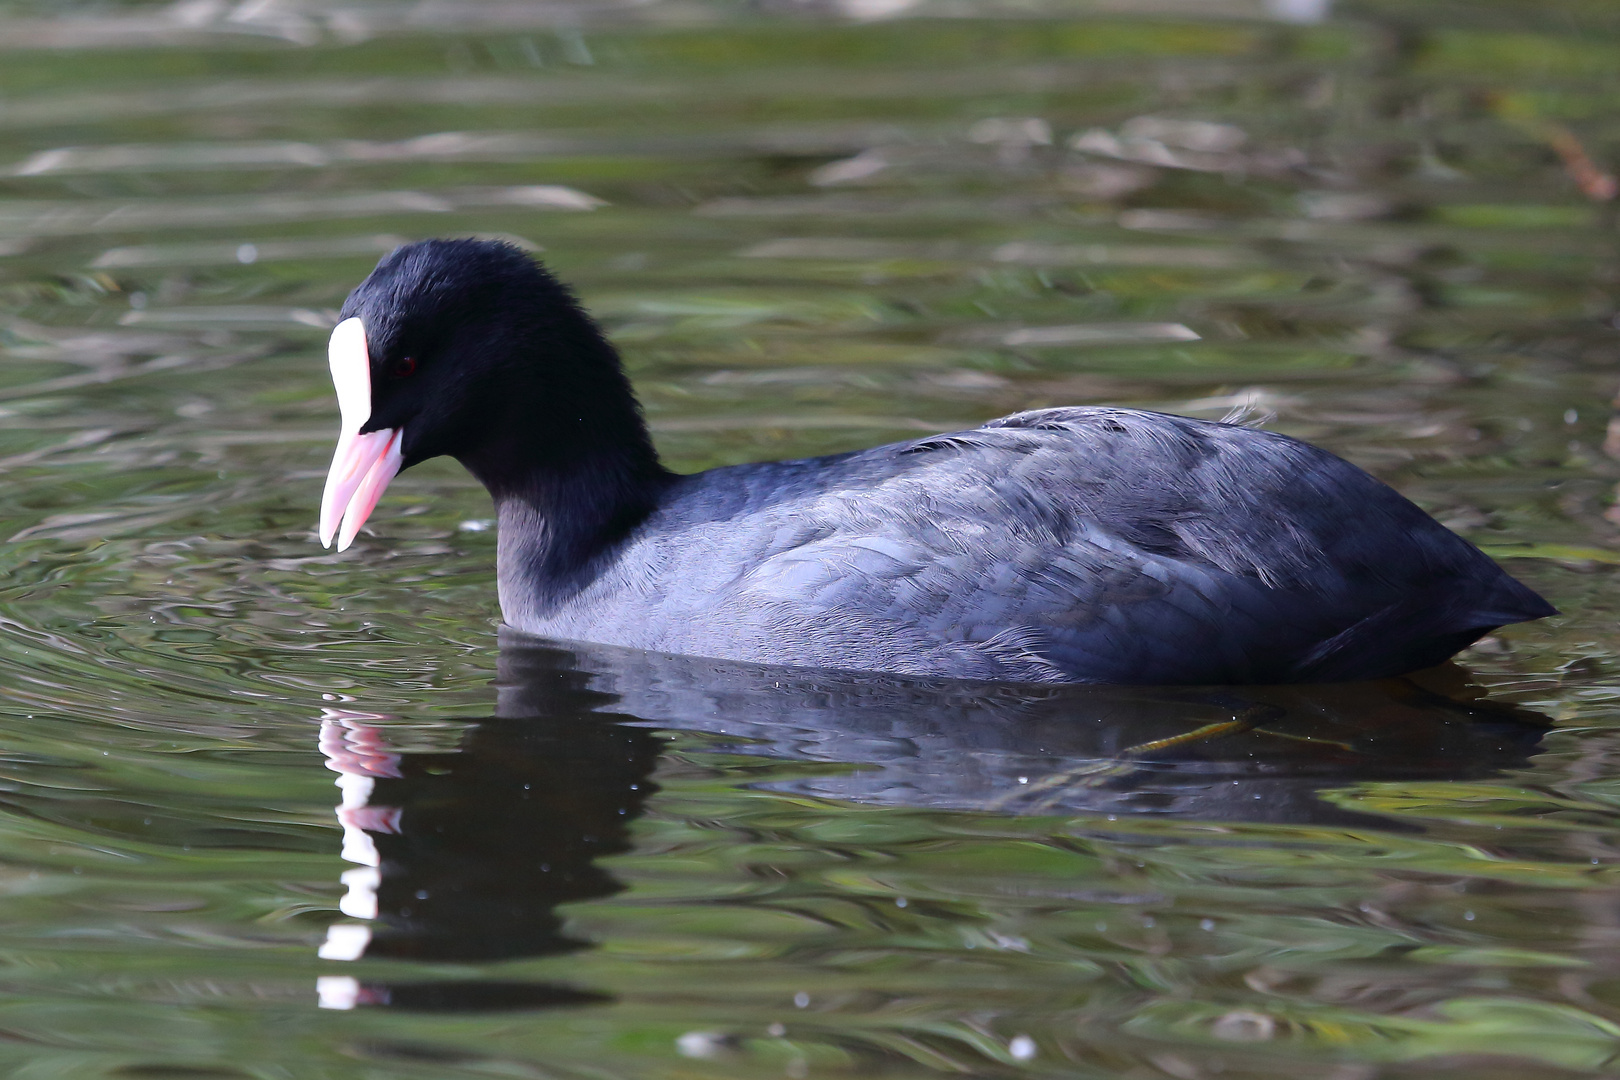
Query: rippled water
pixel 810 227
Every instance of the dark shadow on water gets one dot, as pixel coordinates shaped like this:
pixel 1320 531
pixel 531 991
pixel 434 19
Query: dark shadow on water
pixel 1262 755
pixel 465 855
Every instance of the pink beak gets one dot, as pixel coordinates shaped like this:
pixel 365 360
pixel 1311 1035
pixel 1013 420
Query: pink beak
pixel 362 465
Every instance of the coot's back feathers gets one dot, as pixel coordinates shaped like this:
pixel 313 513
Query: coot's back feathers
pixel 1103 545
pixel 1076 545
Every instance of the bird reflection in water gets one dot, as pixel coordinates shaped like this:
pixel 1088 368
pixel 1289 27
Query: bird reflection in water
pixel 465 855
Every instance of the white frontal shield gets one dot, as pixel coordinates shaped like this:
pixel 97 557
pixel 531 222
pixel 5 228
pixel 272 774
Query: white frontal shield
pixel 362 465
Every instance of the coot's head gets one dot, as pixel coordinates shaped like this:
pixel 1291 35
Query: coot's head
pixel 467 348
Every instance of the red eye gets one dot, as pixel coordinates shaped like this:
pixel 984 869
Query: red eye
pixel 405 365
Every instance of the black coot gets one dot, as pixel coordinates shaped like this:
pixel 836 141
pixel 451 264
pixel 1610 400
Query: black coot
pixel 1060 545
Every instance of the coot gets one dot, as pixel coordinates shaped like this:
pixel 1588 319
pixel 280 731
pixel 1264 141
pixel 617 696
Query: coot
pixel 1058 545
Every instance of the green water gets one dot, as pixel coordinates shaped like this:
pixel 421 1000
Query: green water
pixel 810 227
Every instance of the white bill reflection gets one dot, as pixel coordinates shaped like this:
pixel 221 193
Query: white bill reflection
pixel 360 902
pixel 345 941
pixel 355 750
pixel 337 991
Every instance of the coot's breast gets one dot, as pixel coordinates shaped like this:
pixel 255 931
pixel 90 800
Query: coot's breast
pixel 1101 545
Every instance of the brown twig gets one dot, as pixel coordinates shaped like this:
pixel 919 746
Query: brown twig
pixel 1595 184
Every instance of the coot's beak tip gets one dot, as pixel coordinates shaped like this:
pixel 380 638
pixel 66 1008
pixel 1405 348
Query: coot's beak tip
pixel 375 461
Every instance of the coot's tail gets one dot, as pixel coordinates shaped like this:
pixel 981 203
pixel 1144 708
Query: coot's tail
pixel 1422 629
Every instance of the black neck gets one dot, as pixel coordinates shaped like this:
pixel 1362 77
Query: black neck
pixel 569 483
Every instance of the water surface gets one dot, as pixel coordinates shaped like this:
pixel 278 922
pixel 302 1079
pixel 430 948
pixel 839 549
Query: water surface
pixel 810 227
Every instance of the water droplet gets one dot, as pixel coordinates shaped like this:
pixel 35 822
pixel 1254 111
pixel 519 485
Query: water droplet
pixel 700 1044
pixel 1242 1025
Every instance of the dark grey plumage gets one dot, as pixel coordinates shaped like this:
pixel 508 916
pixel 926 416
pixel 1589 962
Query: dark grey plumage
pixel 1083 544
pixel 1063 545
